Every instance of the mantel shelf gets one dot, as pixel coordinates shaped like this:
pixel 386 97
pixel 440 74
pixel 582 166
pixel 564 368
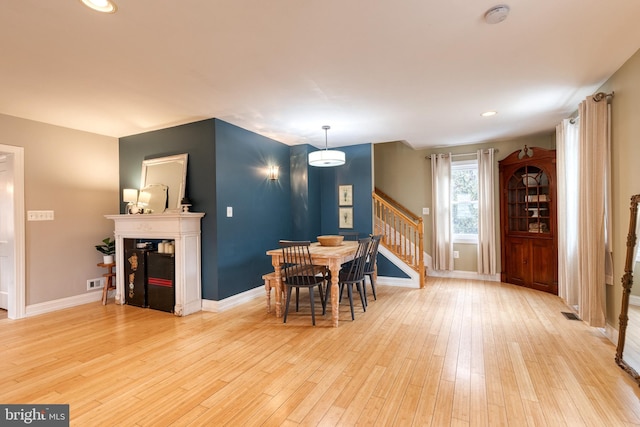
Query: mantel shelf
pixel 134 217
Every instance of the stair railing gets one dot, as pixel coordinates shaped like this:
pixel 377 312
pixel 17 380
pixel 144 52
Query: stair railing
pixel 402 231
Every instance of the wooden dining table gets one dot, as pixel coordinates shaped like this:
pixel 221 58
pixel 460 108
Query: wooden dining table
pixel 330 256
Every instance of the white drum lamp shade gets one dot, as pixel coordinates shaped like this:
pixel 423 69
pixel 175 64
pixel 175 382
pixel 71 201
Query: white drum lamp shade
pixel 326 158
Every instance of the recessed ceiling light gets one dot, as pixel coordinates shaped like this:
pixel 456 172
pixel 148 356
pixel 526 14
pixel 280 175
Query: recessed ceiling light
pixel 489 113
pixel 104 6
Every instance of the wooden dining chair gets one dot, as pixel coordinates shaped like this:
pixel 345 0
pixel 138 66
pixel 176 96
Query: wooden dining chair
pixel 299 272
pixel 370 266
pixel 353 274
pixel 350 235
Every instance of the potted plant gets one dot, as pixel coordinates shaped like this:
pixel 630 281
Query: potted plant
pixel 107 249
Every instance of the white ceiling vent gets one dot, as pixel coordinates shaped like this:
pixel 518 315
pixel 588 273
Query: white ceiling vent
pixel 496 14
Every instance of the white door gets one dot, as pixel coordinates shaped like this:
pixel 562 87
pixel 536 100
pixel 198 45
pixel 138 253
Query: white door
pixel 6 228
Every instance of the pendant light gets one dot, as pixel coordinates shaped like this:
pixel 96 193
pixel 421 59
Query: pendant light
pixel 326 158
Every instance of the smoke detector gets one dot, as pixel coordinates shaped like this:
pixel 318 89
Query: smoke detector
pixel 496 14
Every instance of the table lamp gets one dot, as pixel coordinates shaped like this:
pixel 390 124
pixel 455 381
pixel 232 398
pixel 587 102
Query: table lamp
pixel 130 197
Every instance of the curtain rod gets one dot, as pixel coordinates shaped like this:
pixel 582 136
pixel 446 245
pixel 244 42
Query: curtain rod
pixel 601 95
pixel 597 98
pixel 495 150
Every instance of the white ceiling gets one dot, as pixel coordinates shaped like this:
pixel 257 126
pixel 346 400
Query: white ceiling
pixel 419 71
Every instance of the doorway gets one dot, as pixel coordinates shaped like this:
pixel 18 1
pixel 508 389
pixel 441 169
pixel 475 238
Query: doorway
pixel 12 231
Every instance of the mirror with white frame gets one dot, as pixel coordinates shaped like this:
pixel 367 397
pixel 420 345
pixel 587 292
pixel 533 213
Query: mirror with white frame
pixel 170 171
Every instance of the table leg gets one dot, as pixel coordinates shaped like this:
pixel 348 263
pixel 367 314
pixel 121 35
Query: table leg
pixel 278 285
pixel 334 267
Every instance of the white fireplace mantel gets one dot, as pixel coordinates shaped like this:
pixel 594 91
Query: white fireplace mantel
pixel 184 228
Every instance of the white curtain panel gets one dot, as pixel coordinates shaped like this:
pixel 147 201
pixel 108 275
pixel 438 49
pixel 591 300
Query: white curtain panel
pixel 487 263
pixel 567 144
pixel 593 176
pixel 608 228
pixel 442 252
pixel 584 206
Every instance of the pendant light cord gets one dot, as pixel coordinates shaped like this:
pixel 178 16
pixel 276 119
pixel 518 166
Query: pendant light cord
pixel 326 144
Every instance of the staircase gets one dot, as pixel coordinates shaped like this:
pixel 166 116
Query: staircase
pixel 403 232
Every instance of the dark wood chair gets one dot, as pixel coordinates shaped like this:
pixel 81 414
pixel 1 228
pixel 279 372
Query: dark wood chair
pixel 350 235
pixel 353 274
pixel 370 266
pixel 299 272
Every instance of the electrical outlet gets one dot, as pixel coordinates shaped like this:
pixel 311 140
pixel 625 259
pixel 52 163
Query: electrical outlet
pixel 456 254
pixel 93 284
pixel 425 211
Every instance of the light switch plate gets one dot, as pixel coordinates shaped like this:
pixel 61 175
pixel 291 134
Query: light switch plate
pixel 425 211
pixel 40 216
pixel 229 211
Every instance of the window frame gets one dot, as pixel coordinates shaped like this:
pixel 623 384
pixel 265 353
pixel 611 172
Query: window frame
pixel 458 165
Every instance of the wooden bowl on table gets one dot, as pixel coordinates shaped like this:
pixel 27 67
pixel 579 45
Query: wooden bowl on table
pixel 330 240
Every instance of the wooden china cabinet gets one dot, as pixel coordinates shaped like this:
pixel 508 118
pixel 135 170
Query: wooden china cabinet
pixel 528 220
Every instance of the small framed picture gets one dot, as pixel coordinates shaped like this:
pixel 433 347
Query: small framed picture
pixel 346 217
pixel 345 195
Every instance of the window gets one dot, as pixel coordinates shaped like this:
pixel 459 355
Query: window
pixel 464 201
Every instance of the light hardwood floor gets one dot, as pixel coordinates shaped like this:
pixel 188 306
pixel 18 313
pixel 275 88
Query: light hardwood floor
pixel 458 352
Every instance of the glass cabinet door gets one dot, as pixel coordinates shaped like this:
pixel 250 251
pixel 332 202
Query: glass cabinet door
pixel 528 200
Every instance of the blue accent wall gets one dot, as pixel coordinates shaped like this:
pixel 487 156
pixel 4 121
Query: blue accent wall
pixel 357 171
pixel 198 141
pixel 314 192
pixel 305 195
pixel 388 269
pixel 261 207
pixel 227 167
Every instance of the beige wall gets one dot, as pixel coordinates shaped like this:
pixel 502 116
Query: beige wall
pixel 625 164
pixel 405 174
pixel 75 174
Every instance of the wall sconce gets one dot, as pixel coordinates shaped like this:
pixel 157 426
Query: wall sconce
pixel 130 197
pixel 273 172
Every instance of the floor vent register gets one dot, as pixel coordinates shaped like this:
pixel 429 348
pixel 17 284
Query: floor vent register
pixel 570 316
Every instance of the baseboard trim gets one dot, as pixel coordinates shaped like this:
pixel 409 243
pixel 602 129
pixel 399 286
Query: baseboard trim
pixel 91 297
pixel 611 333
pixel 459 274
pixel 61 304
pixel 396 281
pixel 232 301
pixel 413 281
pixel 4 300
